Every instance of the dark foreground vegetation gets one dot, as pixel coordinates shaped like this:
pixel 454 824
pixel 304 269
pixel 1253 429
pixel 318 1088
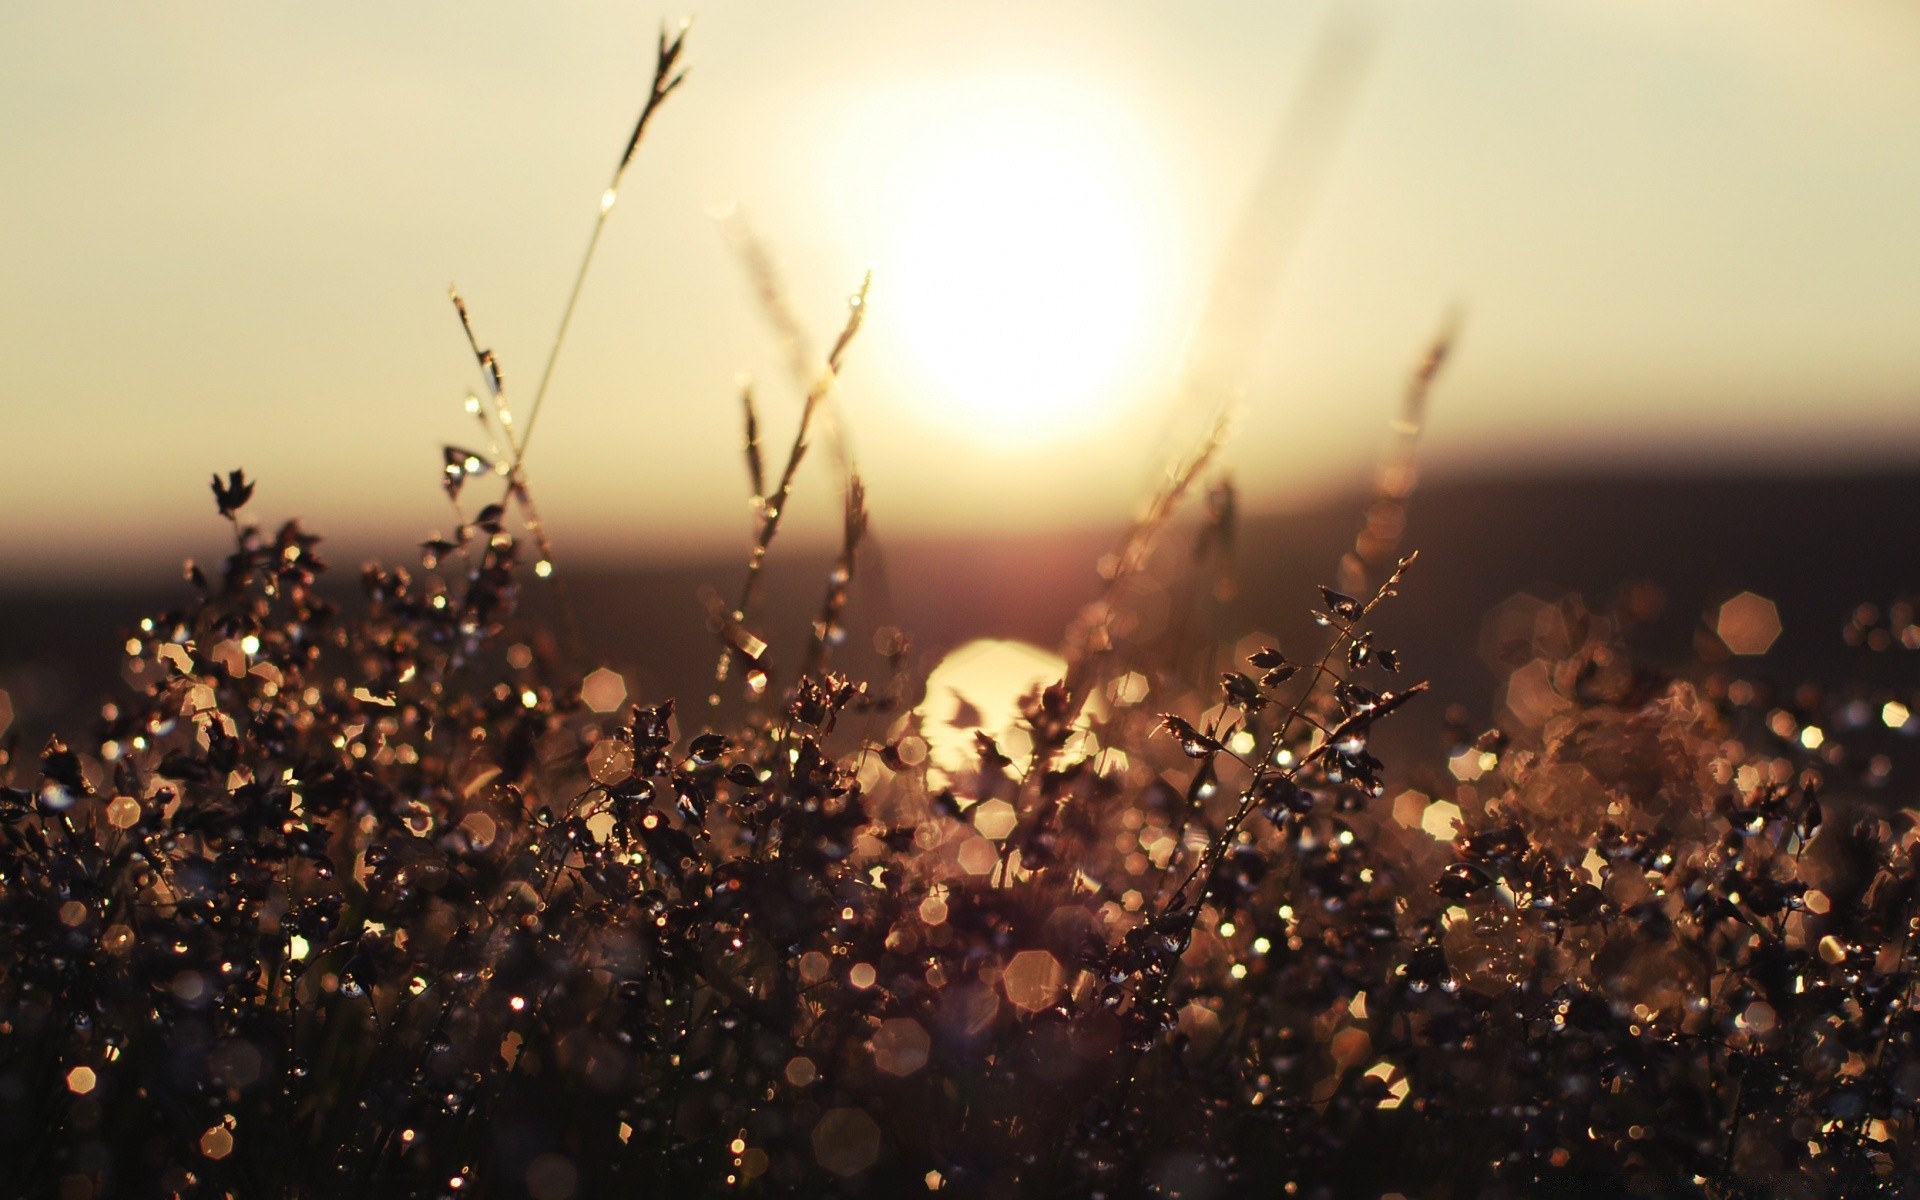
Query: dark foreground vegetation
pixel 370 902
pixel 367 899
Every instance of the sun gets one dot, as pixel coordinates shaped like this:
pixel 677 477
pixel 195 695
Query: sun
pixel 1021 264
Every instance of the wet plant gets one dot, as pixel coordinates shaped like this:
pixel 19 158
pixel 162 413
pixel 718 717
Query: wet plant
pixel 369 899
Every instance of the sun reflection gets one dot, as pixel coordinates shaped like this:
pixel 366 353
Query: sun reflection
pixel 978 687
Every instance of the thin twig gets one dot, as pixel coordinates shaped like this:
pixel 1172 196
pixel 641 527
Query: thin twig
pixel 517 490
pixel 776 305
pixel 756 467
pixel 775 507
pixel 667 75
pixel 1090 637
pixel 827 627
pixel 1386 516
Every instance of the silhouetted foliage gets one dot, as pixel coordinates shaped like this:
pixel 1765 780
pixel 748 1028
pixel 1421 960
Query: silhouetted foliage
pixel 375 901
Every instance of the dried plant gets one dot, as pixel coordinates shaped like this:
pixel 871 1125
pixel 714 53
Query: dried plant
pixel 369 901
pixel 770 510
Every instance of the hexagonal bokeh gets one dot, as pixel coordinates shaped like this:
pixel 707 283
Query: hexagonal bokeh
pixel 977 856
pixel 995 819
pixel 900 1046
pixel 1033 979
pixel 1748 624
pixel 1531 695
pixel 603 690
pixel 846 1141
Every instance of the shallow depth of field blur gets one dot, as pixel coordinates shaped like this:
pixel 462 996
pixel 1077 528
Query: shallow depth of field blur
pixel 1679 244
pixel 1670 255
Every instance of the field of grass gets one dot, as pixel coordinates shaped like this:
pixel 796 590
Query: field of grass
pixel 396 894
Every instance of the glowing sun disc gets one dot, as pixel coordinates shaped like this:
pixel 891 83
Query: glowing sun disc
pixel 1022 250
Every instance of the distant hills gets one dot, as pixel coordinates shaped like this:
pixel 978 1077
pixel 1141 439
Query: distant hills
pixel 1817 545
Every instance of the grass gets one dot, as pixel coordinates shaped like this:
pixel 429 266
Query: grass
pixel 367 901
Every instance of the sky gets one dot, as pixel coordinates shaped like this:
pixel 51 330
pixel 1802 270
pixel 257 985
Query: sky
pixel 1678 235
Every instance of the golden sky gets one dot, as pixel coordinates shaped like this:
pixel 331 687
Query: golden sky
pixel 1681 233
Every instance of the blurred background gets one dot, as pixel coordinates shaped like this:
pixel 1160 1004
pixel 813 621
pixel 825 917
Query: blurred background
pixel 1681 239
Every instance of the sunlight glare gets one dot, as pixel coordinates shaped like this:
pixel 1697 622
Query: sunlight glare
pixel 978 687
pixel 1022 263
